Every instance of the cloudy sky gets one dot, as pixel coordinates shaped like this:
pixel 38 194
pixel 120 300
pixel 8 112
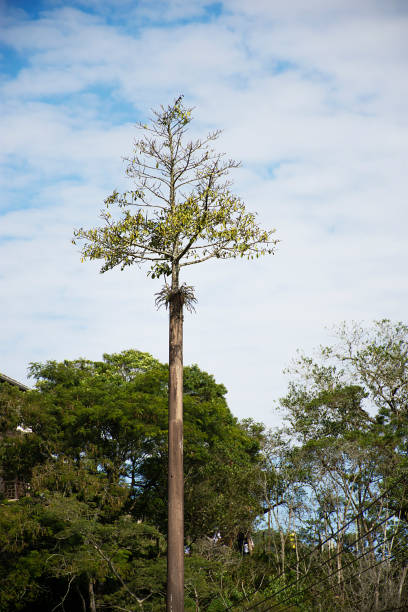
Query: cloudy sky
pixel 312 98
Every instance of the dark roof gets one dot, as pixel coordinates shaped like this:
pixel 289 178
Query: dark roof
pixel 15 383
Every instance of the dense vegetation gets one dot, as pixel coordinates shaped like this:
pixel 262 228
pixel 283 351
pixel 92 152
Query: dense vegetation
pixel 324 498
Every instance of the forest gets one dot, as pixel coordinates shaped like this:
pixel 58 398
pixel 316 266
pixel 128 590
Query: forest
pixel 312 515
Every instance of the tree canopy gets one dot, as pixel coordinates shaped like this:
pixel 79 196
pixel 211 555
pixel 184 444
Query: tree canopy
pixel 323 498
pixel 95 456
pixel 181 210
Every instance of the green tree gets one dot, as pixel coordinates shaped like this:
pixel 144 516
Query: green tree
pixel 92 532
pixel 180 213
pixel 113 413
pixel 71 545
pixel 347 439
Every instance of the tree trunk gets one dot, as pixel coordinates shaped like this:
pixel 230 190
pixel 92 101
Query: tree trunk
pixel 401 584
pixel 175 537
pixel 92 604
pixel 81 597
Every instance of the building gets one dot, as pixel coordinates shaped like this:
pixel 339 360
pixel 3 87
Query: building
pixel 12 489
pixel 11 381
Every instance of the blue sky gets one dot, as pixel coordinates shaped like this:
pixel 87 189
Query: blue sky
pixel 312 99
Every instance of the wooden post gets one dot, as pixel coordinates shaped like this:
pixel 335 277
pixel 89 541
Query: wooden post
pixel 175 533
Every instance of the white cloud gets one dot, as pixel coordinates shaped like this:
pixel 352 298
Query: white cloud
pixel 312 99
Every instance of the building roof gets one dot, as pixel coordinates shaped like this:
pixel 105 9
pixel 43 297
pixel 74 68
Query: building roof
pixel 15 383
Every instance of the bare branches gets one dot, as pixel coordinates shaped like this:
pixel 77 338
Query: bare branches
pixel 182 210
pixel 61 603
pixel 117 575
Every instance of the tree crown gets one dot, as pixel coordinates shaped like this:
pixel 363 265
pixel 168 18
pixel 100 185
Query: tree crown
pixel 181 211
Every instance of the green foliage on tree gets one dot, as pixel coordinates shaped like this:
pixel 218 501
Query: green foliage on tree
pixel 181 210
pixel 324 497
pixel 95 454
pixel 335 479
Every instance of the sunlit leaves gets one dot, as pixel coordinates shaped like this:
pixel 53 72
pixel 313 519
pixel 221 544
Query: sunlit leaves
pixel 181 211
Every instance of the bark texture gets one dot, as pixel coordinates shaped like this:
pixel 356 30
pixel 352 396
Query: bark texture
pixel 92 604
pixel 175 550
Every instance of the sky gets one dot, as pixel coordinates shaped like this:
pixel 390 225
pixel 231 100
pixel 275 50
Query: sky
pixel 311 97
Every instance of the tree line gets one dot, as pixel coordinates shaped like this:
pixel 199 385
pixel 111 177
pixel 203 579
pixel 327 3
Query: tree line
pixel 323 498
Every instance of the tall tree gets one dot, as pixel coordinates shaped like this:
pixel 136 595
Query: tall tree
pixel 180 213
pixel 347 445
